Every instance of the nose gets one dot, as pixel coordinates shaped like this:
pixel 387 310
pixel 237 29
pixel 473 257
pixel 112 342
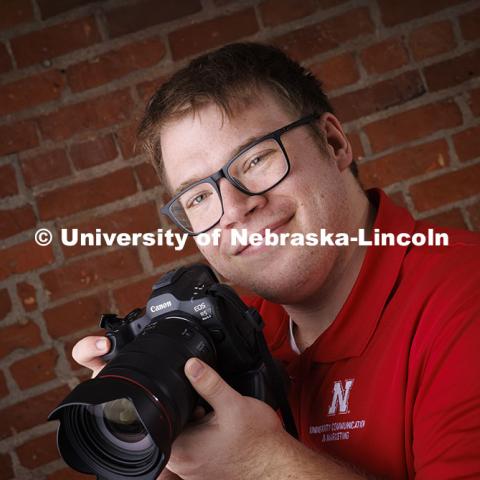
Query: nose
pixel 237 206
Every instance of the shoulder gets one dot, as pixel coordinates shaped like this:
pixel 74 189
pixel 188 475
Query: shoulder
pixel 442 283
pixel 452 268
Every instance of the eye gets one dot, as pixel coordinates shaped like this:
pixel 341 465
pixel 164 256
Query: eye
pixel 197 199
pixel 253 163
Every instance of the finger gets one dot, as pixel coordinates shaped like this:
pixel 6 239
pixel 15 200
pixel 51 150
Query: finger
pixel 88 350
pixel 210 385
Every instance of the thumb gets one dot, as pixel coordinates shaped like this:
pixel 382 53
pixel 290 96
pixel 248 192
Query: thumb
pixel 210 385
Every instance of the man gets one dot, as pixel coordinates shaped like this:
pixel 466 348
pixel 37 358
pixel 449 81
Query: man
pixel 381 344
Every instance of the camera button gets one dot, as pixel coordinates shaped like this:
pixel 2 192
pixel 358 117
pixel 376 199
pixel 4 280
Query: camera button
pixel 187 333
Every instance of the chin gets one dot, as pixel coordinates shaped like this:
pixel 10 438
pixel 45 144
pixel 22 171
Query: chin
pixel 288 279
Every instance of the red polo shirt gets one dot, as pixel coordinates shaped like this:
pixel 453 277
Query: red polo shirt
pixel 393 385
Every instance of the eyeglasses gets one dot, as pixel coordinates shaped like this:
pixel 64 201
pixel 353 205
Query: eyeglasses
pixel 255 170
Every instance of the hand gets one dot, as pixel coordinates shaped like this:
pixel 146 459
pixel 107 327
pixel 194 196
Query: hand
pixel 88 350
pixel 241 439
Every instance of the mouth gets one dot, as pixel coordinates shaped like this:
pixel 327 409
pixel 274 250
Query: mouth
pixel 276 227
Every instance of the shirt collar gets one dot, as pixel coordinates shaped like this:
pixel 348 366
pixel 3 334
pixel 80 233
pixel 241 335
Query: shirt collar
pixel 356 322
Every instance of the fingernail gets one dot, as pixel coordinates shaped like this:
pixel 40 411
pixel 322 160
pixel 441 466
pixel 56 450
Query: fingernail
pixel 101 344
pixel 195 368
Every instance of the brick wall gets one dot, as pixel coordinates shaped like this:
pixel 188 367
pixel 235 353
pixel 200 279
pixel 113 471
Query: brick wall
pixel 403 77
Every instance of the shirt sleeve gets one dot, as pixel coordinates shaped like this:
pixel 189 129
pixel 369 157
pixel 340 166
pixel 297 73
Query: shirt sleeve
pixel 446 415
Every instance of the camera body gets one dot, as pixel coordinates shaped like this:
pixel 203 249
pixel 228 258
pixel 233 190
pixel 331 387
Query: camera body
pixel 197 303
pixel 194 297
pixel 122 423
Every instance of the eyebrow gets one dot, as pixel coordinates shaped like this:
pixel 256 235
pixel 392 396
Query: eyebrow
pixel 247 143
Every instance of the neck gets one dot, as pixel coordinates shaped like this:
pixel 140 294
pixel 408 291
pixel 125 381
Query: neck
pixel 314 315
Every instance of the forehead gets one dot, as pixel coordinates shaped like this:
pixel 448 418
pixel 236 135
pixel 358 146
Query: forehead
pixel 199 143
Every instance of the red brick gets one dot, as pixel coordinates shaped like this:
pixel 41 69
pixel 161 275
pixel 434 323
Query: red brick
pixel 467 144
pixel 131 18
pixel 91 272
pixel 451 219
pixel 406 163
pixel 36 369
pixel 9 181
pixel 469 23
pixel 39 451
pixel 14 12
pixel 45 167
pixel 142 218
pixel 447 188
pixel 386 55
pixel 453 71
pixel 92 114
pixel 398 12
pixel 164 255
pixel 41 88
pixel 17 136
pixel 24 257
pixel 34 47
pixel 147 89
pixel 147 175
pixel 68 473
pixel 433 39
pixel 356 145
pixel 87 194
pixel 19 336
pixel 212 33
pixel 5 62
pixel 274 12
pixel 93 152
pixel 336 72
pixel 474 215
pixel 3 391
pixel 115 64
pixel 475 102
pixel 31 412
pixel 378 97
pixel 16 220
pixel 50 8
pixel 5 303
pixel 412 124
pixel 134 294
pixel 6 468
pixel 27 294
pixel 327 35
pixel 80 314
pixel 126 137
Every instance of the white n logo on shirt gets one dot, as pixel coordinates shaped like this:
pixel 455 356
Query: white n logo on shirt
pixel 341 394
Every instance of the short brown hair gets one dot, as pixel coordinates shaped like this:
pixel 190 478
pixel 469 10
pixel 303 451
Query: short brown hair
pixel 222 77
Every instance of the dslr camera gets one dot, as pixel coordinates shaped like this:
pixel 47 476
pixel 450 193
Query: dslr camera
pixel 121 424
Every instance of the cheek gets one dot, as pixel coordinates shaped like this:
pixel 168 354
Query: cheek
pixel 210 252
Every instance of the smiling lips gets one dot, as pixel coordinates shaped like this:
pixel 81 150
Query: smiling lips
pixel 274 227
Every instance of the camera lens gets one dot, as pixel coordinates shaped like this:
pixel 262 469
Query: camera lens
pixel 117 424
pixel 121 419
pixel 122 423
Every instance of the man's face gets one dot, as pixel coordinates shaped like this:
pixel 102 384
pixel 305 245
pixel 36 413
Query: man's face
pixel 311 197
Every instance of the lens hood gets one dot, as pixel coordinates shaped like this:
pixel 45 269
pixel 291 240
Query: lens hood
pixel 82 451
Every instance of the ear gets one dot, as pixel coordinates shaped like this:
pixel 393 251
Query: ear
pixel 337 142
